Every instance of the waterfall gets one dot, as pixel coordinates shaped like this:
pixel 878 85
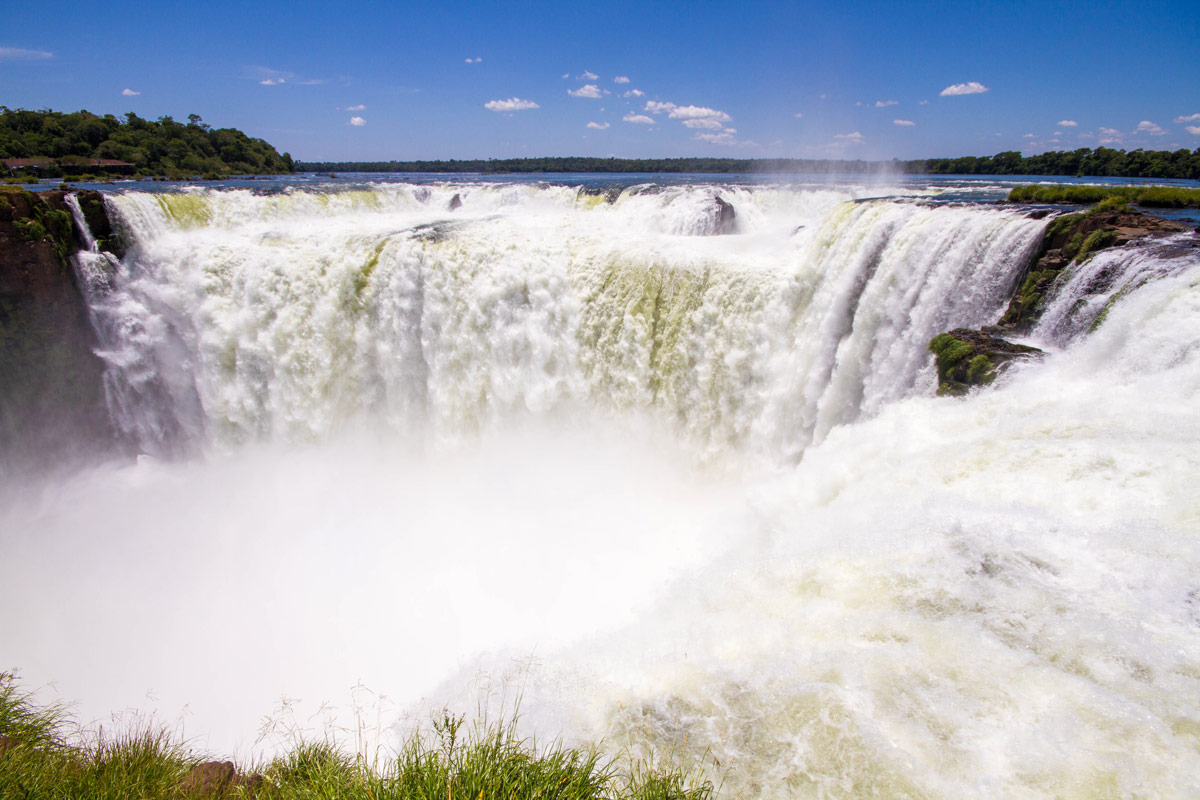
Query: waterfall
pixel 291 316
pixel 695 480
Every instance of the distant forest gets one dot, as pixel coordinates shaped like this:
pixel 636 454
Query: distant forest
pixel 72 143
pixel 1102 162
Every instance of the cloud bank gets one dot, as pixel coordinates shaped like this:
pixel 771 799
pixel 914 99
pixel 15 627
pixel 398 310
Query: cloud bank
pixel 588 90
pixel 971 87
pixel 511 104
pixel 21 54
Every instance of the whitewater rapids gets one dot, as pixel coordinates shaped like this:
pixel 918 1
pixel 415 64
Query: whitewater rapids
pixel 701 480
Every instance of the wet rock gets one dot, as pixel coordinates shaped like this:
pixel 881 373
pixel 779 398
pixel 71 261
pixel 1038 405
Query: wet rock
pixel 725 217
pixel 609 193
pixel 455 202
pixel 969 358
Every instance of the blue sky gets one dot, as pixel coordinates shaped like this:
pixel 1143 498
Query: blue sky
pixel 379 81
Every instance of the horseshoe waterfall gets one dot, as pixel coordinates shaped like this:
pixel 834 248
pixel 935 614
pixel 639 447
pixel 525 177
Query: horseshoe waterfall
pixel 668 463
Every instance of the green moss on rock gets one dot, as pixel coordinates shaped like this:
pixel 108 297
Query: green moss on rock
pixel 968 358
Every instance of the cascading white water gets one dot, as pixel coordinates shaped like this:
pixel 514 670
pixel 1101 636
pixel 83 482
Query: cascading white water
pixel 1086 290
pixel 298 314
pixel 992 596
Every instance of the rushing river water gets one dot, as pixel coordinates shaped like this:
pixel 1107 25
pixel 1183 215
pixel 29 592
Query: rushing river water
pixel 697 485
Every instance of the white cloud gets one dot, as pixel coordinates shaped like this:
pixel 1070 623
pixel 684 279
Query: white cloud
pixel 971 87
pixel 1194 130
pixel 634 93
pixel 823 96
pixel 655 107
pixel 1111 136
pixel 598 126
pixel 359 107
pixel 904 123
pixel 706 124
pixel 511 104
pixel 566 75
pixel 589 90
pixel 640 119
pixel 20 54
pixel 797 115
pixel 621 79
pixel 857 103
pixel 130 93
pixel 922 102
pixel 1146 126
pixel 1190 118
pixel 587 75
pixel 886 103
pixel 849 138
pixel 717 138
pixel 698 112
pixel 475 60
pixel 1030 136
pixel 1068 123
pixel 270 77
pixel 357 122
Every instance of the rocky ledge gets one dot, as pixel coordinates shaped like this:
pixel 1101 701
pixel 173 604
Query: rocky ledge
pixel 971 358
pixel 968 358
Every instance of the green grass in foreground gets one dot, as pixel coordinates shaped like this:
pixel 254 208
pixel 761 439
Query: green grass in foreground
pixel 453 761
pixel 1147 196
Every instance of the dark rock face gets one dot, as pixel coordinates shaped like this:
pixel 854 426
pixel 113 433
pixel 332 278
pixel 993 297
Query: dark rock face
pixel 51 397
pixel 967 358
pixel 208 779
pixel 609 193
pixel 724 217
pixel 217 779
pixel 456 202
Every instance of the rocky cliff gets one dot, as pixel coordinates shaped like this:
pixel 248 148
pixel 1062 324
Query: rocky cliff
pixel 52 407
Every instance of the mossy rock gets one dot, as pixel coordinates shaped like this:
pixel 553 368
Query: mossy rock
pixel 967 359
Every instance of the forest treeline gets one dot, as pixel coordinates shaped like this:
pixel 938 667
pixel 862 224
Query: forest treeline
pixel 1101 162
pixel 74 141
pixel 162 147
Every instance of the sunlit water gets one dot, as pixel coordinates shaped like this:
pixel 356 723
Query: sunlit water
pixel 701 481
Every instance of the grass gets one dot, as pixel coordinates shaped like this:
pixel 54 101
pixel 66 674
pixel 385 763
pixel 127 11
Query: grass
pixel 46 756
pixel 1146 196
